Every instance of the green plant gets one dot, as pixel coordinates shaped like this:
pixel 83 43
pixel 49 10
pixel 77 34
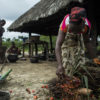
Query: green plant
pixel 76 70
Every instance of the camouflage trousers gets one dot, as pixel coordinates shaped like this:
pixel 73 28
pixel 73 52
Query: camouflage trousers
pixel 0 41
pixel 73 53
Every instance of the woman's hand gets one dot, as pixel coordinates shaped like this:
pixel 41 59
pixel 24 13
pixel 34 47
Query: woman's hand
pixel 60 70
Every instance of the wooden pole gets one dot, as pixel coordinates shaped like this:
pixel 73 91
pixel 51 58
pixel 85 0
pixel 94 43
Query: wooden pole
pixel 36 49
pixel 32 49
pixel 51 46
pixel 23 50
pixel 47 52
pixel 29 45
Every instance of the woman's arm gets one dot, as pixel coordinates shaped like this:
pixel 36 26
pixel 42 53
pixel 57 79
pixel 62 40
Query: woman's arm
pixel 60 39
pixel 88 45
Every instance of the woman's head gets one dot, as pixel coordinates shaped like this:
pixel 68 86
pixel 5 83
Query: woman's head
pixel 75 28
pixel 77 25
pixel 77 19
pixel 13 43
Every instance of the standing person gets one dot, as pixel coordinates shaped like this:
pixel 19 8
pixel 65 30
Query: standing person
pixel 2 48
pixel 72 35
pixel 2 30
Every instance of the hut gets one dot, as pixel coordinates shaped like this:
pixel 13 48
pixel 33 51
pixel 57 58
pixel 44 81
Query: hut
pixel 45 17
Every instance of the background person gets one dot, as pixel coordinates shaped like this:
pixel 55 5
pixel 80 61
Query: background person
pixel 14 49
pixel 2 30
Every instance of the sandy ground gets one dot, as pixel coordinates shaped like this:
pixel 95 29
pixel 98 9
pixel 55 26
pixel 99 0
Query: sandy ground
pixel 27 75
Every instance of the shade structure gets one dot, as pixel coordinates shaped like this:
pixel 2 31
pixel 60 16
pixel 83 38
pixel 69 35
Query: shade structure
pixel 45 17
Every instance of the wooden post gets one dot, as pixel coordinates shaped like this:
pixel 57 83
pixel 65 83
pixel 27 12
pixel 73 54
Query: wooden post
pixel 23 49
pixel 29 45
pixel 36 49
pixel 51 46
pixel 32 49
pixel 47 52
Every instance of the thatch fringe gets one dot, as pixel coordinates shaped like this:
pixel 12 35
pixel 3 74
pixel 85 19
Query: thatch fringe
pixel 45 9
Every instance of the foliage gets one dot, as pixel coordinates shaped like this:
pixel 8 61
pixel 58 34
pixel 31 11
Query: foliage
pixel 76 69
pixel 8 41
pixel 46 38
pixel 18 42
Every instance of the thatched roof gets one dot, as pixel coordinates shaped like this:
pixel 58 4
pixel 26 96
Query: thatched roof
pixel 44 17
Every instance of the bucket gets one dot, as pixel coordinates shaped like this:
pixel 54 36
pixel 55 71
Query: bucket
pixel 12 57
pixel 2 81
pixel 42 57
pixel 4 95
pixel 34 59
pixel 34 38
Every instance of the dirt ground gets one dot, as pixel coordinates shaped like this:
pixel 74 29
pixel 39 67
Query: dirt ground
pixel 27 75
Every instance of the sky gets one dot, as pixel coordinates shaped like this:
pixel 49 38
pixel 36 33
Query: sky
pixel 10 10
